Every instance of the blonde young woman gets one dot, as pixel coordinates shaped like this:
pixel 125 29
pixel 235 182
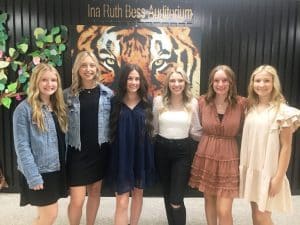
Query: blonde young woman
pixel 39 124
pixel 215 169
pixel 266 146
pixel 88 105
pixel 175 121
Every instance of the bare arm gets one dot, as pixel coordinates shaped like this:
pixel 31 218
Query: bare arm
pixel 196 128
pixel 283 162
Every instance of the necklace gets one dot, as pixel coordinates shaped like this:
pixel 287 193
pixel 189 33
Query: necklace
pixel 221 107
pixel 48 107
pixel 88 90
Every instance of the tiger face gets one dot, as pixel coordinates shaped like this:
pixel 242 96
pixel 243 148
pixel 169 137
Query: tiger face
pixel 154 49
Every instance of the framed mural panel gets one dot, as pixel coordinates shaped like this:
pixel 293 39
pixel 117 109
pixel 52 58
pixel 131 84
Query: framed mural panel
pixel 154 49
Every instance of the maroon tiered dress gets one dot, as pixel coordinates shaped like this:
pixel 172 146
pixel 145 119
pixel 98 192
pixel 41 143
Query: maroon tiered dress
pixel 215 168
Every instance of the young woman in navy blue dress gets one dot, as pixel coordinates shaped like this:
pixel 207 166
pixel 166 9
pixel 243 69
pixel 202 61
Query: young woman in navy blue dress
pixel 132 157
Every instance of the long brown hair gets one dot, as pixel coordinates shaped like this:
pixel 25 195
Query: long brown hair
pixel 232 93
pixel 121 92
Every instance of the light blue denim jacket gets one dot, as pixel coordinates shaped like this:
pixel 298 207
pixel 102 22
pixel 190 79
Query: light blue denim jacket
pixel 73 104
pixel 37 152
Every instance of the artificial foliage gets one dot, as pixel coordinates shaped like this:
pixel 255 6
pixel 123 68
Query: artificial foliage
pixel 16 63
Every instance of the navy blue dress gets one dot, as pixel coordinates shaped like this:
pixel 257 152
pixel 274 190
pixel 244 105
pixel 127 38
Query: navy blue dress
pixel 132 154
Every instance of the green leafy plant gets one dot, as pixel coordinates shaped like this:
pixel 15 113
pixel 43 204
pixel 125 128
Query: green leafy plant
pixel 49 47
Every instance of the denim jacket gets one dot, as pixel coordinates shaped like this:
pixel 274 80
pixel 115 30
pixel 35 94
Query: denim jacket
pixel 73 104
pixel 37 151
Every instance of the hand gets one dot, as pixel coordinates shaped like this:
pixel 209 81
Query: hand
pixel 38 187
pixel 275 186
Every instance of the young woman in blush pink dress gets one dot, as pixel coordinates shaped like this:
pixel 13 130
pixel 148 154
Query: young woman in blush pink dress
pixel 215 169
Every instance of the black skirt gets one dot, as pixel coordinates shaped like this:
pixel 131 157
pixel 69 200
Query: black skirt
pixel 54 188
pixel 55 183
pixel 87 167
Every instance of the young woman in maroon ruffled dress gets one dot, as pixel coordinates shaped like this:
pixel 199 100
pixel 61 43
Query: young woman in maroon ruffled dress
pixel 215 168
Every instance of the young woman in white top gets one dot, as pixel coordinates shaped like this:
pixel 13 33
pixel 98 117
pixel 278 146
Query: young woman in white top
pixel 175 121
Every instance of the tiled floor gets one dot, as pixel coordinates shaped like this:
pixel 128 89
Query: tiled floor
pixel 153 212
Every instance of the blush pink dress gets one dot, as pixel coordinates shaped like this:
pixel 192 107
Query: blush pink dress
pixel 215 168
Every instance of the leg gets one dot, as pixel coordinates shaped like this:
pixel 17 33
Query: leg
pixel 178 214
pixel 168 210
pixel 164 171
pixel 210 209
pixel 259 217
pixel 3 183
pixel 136 205
pixel 180 171
pixel 77 197
pixel 224 210
pixel 121 214
pixel 46 215
pixel 179 158
pixel 93 202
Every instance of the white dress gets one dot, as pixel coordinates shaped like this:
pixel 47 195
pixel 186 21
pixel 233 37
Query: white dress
pixel 259 156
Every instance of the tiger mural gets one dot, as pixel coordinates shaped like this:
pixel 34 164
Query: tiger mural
pixel 154 49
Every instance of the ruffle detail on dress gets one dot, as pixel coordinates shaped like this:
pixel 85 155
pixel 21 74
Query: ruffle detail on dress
pixel 287 117
pixel 215 177
pixel 254 187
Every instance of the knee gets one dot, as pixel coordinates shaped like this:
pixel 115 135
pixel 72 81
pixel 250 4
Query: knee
pixel 259 217
pixel 122 204
pixel 137 193
pixel 49 216
pixel 53 216
pixel 176 205
pixel 94 190
pixel 224 214
pixel 77 202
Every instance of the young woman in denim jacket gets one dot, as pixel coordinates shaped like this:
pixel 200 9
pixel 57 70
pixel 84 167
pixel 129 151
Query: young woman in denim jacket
pixel 39 124
pixel 132 158
pixel 88 105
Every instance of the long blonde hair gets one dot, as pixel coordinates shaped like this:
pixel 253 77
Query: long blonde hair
pixel 186 93
pixel 232 92
pixel 76 79
pixel 56 99
pixel 276 94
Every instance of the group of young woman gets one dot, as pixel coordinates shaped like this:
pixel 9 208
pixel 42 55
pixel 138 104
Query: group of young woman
pixel 67 141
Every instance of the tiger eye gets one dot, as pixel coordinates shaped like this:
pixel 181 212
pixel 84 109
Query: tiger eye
pixel 110 61
pixel 159 62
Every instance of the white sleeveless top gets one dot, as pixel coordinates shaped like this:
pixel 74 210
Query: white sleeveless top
pixel 176 124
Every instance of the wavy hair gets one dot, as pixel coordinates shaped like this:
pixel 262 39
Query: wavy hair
pixel 186 93
pixel 56 99
pixel 232 92
pixel 76 79
pixel 276 94
pixel 120 94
